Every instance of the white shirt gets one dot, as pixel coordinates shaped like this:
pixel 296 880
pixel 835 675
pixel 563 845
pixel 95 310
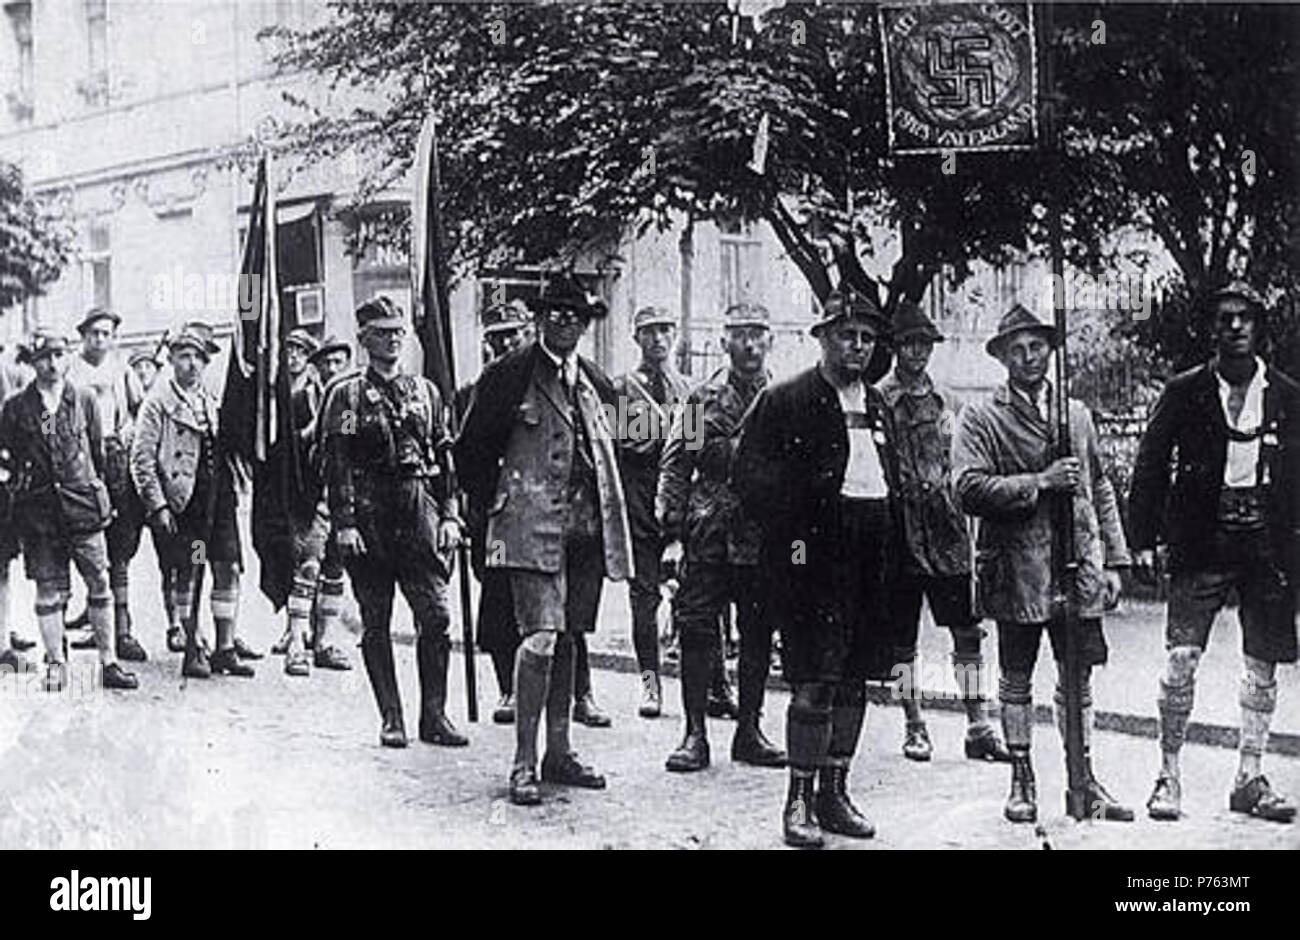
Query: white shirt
pixel 864 477
pixel 1041 402
pixel 50 397
pixel 566 365
pixel 1239 470
pixel 109 382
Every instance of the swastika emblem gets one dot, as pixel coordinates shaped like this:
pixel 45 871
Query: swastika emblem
pixel 959 72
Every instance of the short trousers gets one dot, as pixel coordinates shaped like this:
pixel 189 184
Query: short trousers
pixel 194 541
pixel 1018 643
pixel 46 557
pixel 950 599
pixel 569 599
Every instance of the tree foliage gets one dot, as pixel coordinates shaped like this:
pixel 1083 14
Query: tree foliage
pixel 34 245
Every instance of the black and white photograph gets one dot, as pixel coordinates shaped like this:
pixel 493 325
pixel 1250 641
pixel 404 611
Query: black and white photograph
pixel 753 425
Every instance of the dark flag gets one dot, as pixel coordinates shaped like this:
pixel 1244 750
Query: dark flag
pixel 256 417
pixel 433 316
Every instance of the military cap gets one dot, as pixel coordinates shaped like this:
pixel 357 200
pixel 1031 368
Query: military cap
pixel 910 321
pixel 42 343
pixel 849 304
pixel 563 291
pixel 381 313
pixel 94 314
pixel 1016 320
pixel 652 316
pixel 747 314
pixel 511 315
pixel 331 344
pixel 196 335
pixel 303 340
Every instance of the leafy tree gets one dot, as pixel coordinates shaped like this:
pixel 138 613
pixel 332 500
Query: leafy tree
pixel 34 246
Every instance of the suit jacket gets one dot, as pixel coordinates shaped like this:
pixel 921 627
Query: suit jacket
pixel 1188 432
pixel 1002 443
pixel 167 446
pixel 644 425
pixel 515 453
pixel 789 470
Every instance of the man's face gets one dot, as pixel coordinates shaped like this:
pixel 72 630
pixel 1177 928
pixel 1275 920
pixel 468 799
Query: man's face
pixel 562 328
pixel 383 343
pixel 1025 355
pixel 914 354
pixel 1236 327
pixel 97 340
pixel 187 365
pixel 505 341
pixel 51 366
pixel 296 359
pixel 747 347
pixel 332 363
pixel 847 346
pixel 656 341
pixel 146 370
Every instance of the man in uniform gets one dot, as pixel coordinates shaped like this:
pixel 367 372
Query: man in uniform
pixel 51 433
pixel 705 526
pixel 936 556
pixel 393 510
pixel 13 379
pixel 189 499
pixel 506 327
pixel 118 392
pixel 536 455
pixel 817 467
pixel 1231 519
pixel 653 391
pixel 1007 475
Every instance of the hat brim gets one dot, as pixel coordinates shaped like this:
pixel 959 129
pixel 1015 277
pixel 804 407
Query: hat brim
pixel 385 323
pixel 995 343
pixel 504 327
pixel 656 321
pixel 330 348
pixel 89 321
pixel 881 325
pixel 923 333
pixel 206 350
pixel 735 324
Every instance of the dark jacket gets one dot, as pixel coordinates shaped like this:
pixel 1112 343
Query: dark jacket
pixel 643 428
pixel 789 471
pixel 696 502
pixel 1188 432
pixel 57 479
pixel 514 456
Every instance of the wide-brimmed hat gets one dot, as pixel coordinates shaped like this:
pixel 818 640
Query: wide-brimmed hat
pixel 303 340
pixel 95 314
pixel 849 304
pixel 41 343
pixel 564 292
pixel 195 335
pixel 910 322
pixel 1016 320
pixel 381 313
pixel 1242 290
pixel 511 315
pixel 653 316
pixel 142 355
pixel 331 344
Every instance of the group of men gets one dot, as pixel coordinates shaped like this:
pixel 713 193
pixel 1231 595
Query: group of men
pixel 825 509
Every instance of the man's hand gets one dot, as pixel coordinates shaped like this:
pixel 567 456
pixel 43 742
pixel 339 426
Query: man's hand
pixel 163 521
pixel 1144 565
pixel 1062 475
pixel 350 543
pixel 450 535
pixel 671 559
pixel 1112 584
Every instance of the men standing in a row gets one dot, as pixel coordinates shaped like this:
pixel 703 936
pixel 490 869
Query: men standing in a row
pixel 189 499
pixel 51 433
pixel 100 369
pixel 393 512
pixel 506 327
pixel 537 456
pixel 817 468
pixel 1231 519
pixel 935 547
pixel 1007 474
pixel 708 531
pixel 653 392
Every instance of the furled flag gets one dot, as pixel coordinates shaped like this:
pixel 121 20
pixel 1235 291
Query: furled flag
pixel 429 265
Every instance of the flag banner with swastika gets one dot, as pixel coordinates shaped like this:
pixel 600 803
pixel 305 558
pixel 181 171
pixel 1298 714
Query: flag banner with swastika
pixel 960 76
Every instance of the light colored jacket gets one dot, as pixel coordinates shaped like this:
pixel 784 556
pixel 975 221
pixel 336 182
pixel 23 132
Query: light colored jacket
pixel 167 445
pixel 1001 445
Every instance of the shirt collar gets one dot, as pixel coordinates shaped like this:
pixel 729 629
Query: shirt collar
pixel 1252 409
pixel 567 366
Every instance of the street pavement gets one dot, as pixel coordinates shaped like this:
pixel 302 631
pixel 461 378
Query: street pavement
pixel 281 762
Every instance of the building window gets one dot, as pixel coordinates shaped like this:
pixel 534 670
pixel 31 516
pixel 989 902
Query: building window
pixel 94 87
pixel 97 267
pixel 741 253
pixel 22 100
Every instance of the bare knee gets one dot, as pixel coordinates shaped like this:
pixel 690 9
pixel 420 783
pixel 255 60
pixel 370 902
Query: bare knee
pixel 541 643
pixel 1181 666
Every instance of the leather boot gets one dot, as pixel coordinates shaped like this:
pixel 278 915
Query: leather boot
pixel 751 746
pixel 798 823
pixel 128 647
pixel 721 701
pixel 1022 801
pixel 835 811
pixel 693 753
pixel 377 653
pixel 1100 804
pixel 431 657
